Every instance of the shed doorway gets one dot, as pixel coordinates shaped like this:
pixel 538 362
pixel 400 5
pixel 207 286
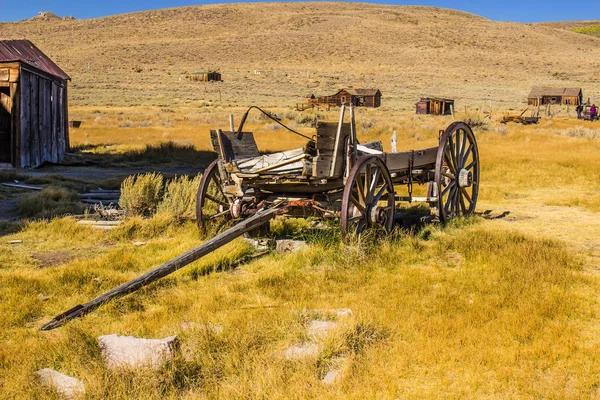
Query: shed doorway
pixel 5 110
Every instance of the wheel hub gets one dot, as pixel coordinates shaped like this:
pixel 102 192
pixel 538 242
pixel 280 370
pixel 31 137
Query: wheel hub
pixel 465 178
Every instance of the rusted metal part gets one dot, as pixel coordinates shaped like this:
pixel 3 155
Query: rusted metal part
pixel 26 52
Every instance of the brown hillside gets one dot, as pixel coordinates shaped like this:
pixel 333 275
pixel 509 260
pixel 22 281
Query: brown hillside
pixel 301 48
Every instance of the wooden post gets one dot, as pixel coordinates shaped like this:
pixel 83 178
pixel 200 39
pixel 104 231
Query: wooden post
pixel 167 268
pixel 451 112
pixel 394 141
pixel 231 126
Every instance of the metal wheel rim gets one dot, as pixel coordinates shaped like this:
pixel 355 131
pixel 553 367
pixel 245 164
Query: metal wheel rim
pixel 368 184
pixel 212 206
pixel 457 152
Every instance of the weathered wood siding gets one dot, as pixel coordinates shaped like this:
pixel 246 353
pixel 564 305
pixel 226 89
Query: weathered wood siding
pixel 43 120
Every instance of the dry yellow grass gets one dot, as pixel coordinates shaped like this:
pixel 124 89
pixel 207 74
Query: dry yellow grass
pixel 482 308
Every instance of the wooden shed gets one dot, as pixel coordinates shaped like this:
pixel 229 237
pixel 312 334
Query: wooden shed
pixel 33 106
pixel 540 96
pixel 205 76
pixel 356 97
pixel 435 106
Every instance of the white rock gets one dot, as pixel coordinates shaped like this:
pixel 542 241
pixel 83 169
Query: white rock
pixel 319 329
pixel 298 352
pixel 139 243
pixel 259 244
pixel 65 385
pixel 289 246
pixel 332 376
pixel 129 351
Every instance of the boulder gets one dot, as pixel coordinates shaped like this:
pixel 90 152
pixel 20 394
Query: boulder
pixel 132 352
pixel 66 386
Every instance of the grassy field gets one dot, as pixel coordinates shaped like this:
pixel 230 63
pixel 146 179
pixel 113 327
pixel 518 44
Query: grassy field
pixel 501 305
pixel 486 307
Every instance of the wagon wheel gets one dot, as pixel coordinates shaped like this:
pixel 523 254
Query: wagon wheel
pixel 457 172
pixel 212 206
pixel 368 198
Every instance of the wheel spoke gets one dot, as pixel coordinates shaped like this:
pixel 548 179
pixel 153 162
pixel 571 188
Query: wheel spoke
pixel 465 157
pixel 462 149
pixel 218 201
pixel 217 215
pixel 354 219
pixel 473 163
pixel 447 188
pixel 373 185
pixel 357 204
pixel 462 203
pixel 449 160
pixel 464 192
pixel 360 185
pixel 457 149
pixel 448 175
pixel 449 199
pixel 379 194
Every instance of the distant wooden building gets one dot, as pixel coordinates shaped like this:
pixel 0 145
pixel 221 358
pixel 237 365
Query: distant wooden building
pixel 548 95
pixel 435 106
pixel 356 97
pixel 205 76
pixel 33 106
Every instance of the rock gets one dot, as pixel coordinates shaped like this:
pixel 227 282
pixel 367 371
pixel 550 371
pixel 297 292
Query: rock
pixel 67 386
pixel 319 329
pixel 129 351
pixel 289 246
pixel 139 243
pixel 332 376
pixel 259 244
pixel 299 352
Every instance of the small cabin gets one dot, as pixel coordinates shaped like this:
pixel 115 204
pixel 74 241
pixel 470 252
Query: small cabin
pixel 33 106
pixel 540 96
pixel 355 97
pixel 435 106
pixel 205 76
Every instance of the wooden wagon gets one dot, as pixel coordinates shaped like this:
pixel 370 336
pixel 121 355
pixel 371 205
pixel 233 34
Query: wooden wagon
pixel 331 176
pixel 334 175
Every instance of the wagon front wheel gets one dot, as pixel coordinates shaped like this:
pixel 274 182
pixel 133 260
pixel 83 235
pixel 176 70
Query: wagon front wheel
pixel 368 198
pixel 457 172
pixel 212 206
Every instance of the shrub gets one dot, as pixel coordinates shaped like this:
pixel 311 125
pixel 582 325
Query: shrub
pixel 179 199
pixel 140 194
pixel 476 121
pixel 50 202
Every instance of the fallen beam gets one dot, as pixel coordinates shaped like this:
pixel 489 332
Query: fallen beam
pixel 169 267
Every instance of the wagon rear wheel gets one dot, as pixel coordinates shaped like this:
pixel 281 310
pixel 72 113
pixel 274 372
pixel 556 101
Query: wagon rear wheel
pixel 212 206
pixel 457 172
pixel 368 198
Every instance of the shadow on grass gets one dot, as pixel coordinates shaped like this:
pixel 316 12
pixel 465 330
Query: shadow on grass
pixel 165 153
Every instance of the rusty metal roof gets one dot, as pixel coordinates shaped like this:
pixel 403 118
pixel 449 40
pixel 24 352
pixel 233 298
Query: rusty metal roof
pixel 539 91
pixel 26 52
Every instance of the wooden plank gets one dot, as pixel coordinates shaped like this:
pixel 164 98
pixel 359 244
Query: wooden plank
pixel 25 150
pixel 33 121
pixel 63 127
pixel 14 74
pixel 22 186
pixel 54 124
pixel 67 145
pixel 15 134
pixel 47 120
pixel 400 161
pixel 4 74
pixel 259 219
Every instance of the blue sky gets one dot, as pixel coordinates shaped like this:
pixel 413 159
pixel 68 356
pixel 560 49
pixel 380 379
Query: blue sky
pixel 499 10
